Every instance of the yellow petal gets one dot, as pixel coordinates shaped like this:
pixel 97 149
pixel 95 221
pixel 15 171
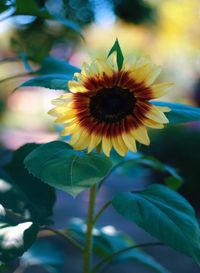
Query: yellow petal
pixel 143 61
pixel 160 89
pixel 153 74
pixel 85 71
pixel 67 97
pixel 152 124
pixel 103 68
pixel 82 142
pixel 57 101
pixel 63 99
pixel 106 145
pixel 76 87
pixel 74 138
pixel 68 130
pixel 130 62
pixel 95 140
pixel 95 67
pixel 57 111
pixel 112 61
pixel 129 141
pixel 67 116
pixel 65 121
pixel 156 115
pixel 140 74
pixel 164 108
pixel 119 145
pixel 80 77
pixel 140 134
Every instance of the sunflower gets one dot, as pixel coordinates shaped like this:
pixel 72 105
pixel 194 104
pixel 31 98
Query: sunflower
pixel 110 108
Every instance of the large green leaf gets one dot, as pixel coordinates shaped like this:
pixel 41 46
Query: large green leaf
pixel 53 74
pixel 58 165
pixel 45 254
pixel 51 65
pixel 107 241
pixel 24 193
pixel 51 81
pixel 15 237
pixel 165 214
pixel 180 113
pixel 120 58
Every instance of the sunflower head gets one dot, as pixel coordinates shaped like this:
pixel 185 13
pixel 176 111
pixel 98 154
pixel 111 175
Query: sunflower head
pixel 108 107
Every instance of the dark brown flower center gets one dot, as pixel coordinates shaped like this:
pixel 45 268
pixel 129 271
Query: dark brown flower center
pixel 112 104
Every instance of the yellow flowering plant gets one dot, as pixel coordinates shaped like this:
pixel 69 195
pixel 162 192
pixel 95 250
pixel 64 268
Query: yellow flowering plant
pixel 106 110
pixel 109 105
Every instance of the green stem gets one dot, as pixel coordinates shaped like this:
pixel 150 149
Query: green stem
pixel 101 211
pixel 66 236
pixel 110 258
pixel 87 256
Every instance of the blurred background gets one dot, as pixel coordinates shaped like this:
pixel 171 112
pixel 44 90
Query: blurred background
pixel 168 31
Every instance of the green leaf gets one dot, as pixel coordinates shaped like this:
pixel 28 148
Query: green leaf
pixel 30 7
pixel 45 254
pixel 4 6
pixel 2 267
pixel 107 241
pixel 51 65
pixel 15 238
pixel 23 193
pixel 53 74
pixel 173 180
pixel 165 214
pixel 67 23
pixel 27 8
pixel 173 183
pixel 58 165
pixel 52 81
pixel 120 58
pixel 180 113
pixel 10 197
pixel 125 165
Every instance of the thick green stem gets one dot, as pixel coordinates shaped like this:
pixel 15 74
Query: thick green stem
pixel 87 256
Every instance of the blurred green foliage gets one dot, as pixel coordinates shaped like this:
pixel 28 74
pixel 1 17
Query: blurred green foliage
pixel 180 147
pixel 46 254
pixel 135 11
